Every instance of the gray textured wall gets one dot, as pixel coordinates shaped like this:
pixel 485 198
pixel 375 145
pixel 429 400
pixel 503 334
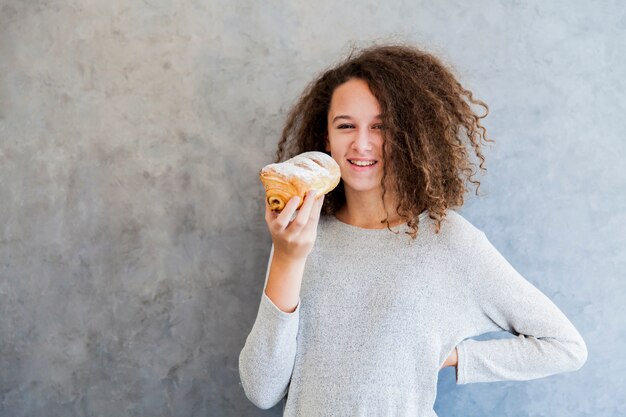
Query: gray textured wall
pixel 133 245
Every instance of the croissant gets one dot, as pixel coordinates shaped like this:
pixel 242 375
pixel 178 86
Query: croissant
pixel 296 176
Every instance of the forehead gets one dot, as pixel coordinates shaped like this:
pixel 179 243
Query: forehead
pixel 354 97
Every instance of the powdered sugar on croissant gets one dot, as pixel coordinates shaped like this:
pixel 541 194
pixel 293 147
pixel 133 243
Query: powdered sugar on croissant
pixel 296 176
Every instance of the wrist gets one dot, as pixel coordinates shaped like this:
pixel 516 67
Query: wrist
pixel 285 258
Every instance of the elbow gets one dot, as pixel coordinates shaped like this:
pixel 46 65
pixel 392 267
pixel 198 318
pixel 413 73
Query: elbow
pixel 259 398
pixel 582 356
pixel 256 390
pixel 577 354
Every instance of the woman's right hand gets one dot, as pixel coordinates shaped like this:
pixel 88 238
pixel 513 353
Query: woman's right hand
pixel 294 240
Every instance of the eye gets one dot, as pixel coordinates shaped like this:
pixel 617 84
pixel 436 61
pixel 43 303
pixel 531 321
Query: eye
pixel 378 126
pixel 345 126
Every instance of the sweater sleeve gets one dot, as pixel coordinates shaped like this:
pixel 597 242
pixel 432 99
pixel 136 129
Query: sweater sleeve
pixel 546 342
pixel 268 356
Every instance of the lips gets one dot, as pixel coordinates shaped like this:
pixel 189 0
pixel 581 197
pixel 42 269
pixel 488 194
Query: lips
pixel 362 162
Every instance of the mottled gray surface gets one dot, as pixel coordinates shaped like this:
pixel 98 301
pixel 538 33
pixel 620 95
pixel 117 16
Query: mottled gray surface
pixel 133 245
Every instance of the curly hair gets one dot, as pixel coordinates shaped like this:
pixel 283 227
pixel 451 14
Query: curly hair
pixel 427 118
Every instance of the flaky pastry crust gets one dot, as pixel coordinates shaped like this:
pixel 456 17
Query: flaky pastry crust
pixel 296 176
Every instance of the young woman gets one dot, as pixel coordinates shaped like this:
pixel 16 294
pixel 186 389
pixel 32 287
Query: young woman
pixel 373 288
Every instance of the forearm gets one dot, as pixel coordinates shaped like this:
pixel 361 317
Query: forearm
pixel 284 282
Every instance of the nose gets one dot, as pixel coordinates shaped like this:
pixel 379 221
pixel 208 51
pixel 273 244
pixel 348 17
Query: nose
pixel 362 142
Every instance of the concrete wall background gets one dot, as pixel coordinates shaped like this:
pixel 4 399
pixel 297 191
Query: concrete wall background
pixel 133 244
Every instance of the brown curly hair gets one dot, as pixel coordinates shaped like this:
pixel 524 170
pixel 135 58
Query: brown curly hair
pixel 426 117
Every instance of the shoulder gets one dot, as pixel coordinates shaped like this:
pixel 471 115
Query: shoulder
pixel 456 233
pixel 455 225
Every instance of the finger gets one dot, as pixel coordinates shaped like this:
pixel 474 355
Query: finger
pixel 319 203
pixel 270 215
pixel 305 211
pixel 282 221
pixel 315 212
pixel 268 210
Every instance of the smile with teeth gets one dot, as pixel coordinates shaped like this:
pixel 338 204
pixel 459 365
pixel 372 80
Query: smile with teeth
pixel 361 163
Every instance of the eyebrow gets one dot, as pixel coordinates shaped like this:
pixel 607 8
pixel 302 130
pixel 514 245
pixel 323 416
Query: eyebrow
pixel 343 116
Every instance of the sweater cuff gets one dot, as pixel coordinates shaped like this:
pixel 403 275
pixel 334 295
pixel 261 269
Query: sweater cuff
pixel 269 307
pixel 461 365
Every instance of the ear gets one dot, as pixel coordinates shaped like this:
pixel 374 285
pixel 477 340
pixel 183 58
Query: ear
pixel 327 144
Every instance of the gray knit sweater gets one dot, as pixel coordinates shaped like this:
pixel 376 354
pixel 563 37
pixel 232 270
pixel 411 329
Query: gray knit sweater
pixel 379 314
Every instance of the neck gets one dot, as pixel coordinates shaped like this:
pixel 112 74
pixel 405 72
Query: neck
pixel 366 210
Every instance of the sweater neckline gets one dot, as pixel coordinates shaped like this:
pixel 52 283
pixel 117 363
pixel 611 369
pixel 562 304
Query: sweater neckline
pixel 357 229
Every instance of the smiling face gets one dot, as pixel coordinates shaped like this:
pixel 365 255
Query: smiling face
pixel 355 137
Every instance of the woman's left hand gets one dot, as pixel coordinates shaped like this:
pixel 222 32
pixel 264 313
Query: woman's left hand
pixel 452 360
